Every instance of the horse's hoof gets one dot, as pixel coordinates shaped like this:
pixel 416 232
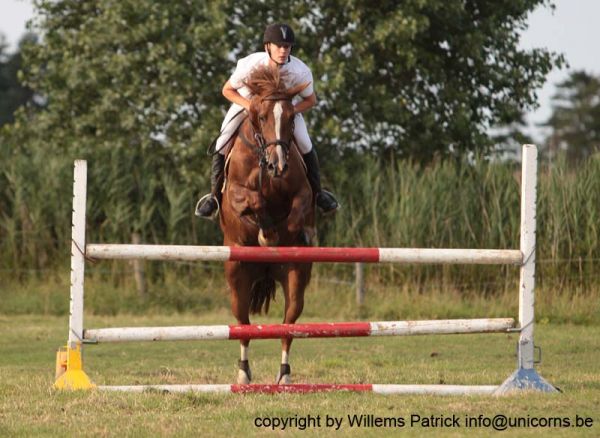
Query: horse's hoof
pixel 263 240
pixel 284 376
pixel 286 379
pixel 243 378
pixel 244 373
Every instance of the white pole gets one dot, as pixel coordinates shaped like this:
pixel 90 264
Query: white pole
pixel 527 279
pixel 441 326
pixel 143 334
pixel 77 256
pixel 117 251
pixel 434 389
pixel 525 377
pixel 450 256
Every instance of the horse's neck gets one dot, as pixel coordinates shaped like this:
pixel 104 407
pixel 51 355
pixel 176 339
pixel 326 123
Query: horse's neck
pixel 247 131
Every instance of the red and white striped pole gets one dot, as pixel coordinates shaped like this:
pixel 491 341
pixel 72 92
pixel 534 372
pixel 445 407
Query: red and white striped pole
pixel 300 388
pixel 293 254
pixel 308 330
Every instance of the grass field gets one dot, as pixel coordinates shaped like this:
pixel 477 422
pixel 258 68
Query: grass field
pixel 29 407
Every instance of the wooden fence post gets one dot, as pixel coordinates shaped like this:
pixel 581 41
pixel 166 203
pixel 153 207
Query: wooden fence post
pixel 138 269
pixel 360 283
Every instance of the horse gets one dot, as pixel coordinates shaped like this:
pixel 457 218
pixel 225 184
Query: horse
pixel 267 201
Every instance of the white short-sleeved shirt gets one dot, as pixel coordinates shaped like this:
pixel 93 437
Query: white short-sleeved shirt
pixel 296 73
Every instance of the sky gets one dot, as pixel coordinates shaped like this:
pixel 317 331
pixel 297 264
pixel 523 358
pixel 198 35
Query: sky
pixel 570 29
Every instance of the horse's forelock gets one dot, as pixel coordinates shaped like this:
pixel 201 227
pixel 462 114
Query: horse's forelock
pixel 264 81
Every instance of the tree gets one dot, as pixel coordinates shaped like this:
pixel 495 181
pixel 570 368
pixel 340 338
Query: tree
pixel 419 77
pixel 12 93
pixel 426 77
pixel 575 119
pixel 508 139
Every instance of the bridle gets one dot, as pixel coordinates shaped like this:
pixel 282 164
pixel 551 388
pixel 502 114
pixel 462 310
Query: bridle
pixel 260 145
pixel 260 138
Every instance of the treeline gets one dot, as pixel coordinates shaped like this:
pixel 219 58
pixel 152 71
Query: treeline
pixel 393 203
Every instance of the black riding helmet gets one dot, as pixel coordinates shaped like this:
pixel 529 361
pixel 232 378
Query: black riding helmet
pixel 279 34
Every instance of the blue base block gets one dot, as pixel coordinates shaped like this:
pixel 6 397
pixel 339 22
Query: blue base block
pixel 525 380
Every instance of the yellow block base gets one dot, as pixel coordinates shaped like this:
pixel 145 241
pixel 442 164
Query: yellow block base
pixel 69 370
pixel 74 379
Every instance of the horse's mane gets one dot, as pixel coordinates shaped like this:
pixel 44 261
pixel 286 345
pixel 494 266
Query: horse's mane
pixel 264 80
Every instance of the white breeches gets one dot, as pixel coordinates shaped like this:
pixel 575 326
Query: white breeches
pixel 231 123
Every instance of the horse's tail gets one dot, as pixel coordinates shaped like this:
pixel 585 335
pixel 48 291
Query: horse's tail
pixel 262 292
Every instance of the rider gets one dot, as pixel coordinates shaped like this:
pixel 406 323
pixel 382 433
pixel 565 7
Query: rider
pixel 278 41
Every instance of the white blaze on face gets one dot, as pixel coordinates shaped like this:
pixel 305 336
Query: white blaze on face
pixel 280 158
pixel 277 112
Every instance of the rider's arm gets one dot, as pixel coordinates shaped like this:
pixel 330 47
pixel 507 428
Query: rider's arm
pixel 232 95
pixel 305 103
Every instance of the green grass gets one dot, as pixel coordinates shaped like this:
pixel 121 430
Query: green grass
pixel 29 407
pixel 34 323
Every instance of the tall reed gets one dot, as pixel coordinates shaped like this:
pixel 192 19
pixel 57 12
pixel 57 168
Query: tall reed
pixel 395 203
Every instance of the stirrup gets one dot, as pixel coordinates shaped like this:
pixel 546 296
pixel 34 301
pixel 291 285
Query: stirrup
pixel 203 200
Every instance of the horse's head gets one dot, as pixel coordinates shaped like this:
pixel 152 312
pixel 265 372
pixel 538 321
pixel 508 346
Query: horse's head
pixel 272 116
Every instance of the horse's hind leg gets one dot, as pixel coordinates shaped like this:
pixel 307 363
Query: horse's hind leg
pixel 293 287
pixel 240 283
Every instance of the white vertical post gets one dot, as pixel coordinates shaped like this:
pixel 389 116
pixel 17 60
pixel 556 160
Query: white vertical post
pixel 527 280
pixel 77 253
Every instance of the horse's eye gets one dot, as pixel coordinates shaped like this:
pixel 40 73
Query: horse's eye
pixel 262 118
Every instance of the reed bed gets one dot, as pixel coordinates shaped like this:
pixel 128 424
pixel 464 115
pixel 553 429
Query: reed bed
pixel 454 204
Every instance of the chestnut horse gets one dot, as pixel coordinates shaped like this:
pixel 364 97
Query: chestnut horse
pixel 267 201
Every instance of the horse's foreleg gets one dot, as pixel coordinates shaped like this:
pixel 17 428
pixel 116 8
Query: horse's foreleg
pixel 240 283
pixel 244 374
pixel 294 303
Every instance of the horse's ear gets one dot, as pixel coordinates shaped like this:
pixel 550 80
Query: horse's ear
pixel 297 89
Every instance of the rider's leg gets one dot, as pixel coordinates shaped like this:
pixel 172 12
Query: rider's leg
pixel 325 200
pixel 209 203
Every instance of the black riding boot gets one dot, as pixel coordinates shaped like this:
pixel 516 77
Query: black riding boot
pixel 209 204
pixel 325 200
